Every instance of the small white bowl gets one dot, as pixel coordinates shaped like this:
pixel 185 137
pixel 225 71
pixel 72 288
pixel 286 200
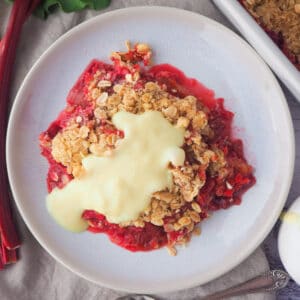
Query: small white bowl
pixel 262 43
pixel 289 241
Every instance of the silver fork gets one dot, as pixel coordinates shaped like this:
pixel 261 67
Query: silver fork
pixel 270 281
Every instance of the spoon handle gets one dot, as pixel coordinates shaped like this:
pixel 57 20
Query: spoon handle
pixel 270 281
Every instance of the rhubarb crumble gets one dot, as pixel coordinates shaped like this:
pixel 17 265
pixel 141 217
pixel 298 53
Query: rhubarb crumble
pixel 209 171
pixel 281 20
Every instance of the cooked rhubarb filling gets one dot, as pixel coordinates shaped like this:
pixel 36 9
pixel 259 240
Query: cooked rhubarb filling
pixel 143 154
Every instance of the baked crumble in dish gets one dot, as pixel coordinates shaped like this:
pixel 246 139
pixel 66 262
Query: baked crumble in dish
pixel 214 175
pixel 281 21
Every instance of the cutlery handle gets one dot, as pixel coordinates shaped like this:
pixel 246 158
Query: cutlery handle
pixel 271 281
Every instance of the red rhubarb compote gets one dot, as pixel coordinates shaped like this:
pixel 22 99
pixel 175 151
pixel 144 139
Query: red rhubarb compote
pixel 214 157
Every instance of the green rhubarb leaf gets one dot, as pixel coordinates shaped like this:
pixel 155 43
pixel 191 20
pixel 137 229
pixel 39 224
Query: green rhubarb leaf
pixel 70 5
pixel 96 4
pixel 47 7
pixel 73 5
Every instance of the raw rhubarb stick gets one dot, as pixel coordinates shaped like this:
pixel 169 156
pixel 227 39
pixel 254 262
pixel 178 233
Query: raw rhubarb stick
pixel 1 263
pixel 8 45
pixel 8 255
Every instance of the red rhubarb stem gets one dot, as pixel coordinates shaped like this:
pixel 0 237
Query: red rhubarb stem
pixel 8 45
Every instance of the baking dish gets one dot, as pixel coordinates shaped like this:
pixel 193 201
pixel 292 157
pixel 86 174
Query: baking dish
pixel 262 43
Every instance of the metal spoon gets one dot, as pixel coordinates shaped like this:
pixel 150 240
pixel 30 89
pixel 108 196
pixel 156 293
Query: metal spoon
pixel 271 281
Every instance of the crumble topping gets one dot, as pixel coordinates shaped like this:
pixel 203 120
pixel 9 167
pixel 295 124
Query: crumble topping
pixel 214 174
pixel 100 137
pixel 281 17
pixel 77 140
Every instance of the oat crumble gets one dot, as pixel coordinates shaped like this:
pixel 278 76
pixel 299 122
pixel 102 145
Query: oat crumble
pixel 178 210
pixel 281 17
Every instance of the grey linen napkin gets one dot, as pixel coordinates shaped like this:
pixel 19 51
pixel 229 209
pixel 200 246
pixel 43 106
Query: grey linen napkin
pixel 37 275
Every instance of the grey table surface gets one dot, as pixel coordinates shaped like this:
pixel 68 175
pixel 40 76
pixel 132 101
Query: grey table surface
pixel 205 7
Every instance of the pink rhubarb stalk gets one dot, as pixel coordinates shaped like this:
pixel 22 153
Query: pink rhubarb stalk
pixel 21 10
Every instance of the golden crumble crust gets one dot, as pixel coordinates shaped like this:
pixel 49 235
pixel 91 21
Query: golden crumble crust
pixel 279 16
pixel 175 209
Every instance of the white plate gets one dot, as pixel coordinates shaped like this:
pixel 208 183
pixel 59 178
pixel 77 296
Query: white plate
pixel 268 50
pixel 217 57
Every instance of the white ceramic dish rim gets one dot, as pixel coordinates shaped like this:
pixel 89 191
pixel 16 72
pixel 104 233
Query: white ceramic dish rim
pixel 257 37
pixel 253 243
